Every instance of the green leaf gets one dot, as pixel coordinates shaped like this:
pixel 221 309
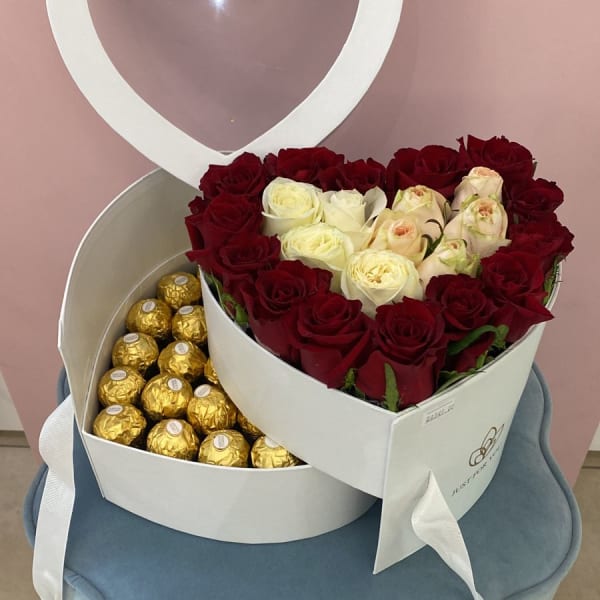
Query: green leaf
pixel 350 385
pixel 228 303
pixel 452 377
pixel 392 396
pixel 499 332
pixel 551 279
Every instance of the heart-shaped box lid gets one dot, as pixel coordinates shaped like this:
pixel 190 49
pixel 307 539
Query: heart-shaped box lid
pixel 158 139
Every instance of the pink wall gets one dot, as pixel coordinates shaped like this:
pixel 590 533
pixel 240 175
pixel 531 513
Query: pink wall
pixel 524 69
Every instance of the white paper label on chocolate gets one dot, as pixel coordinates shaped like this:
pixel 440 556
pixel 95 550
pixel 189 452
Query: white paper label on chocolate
pixel 175 384
pixel 114 409
pixel 270 443
pixel 181 279
pixel 148 306
pixel 118 375
pixel 202 391
pixel 221 441
pixel 186 310
pixel 439 411
pixel 174 428
pixel 182 348
pixel 130 338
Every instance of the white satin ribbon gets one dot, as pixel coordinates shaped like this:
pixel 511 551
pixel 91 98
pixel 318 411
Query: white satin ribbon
pixel 434 524
pixel 56 507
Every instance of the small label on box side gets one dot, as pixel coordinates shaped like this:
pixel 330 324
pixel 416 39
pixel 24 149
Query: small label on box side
pixel 438 412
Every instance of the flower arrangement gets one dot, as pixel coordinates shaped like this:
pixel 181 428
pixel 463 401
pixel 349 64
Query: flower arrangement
pixel 389 282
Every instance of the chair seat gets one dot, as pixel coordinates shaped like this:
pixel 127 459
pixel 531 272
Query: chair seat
pixel 523 535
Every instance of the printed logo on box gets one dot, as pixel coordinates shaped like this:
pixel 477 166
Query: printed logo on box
pixel 489 441
pixel 482 456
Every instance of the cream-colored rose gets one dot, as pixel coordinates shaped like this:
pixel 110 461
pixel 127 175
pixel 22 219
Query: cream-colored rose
pixel 482 223
pixel 352 212
pixel 450 257
pixel 288 204
pixel 377 277
pixel 396 231
pixel 427 206
pixel 481 181
pixel 319 245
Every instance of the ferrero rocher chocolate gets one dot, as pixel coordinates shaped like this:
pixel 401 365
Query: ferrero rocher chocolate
pixel 183 359
pixel 166 396
pixel 121 423
pixel 210 409
pixel 174 438
pixel 225 447
pixel 267 454
pixel 250 430
pixel 210 373
pixel 189 324
pixel 122 385
pixel 136 350
pixel 179 289
pixel 150 316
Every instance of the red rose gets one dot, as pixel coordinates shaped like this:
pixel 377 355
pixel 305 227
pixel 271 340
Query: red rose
pixel 360 175
pixel 272 297
pixel 547 239
pixel 464 304
pixel 245 176
pixel 409 336
pixel 533 200
pixel 301 164
pixel 215 222
pixel 465 307
pixel 515 281
pixel 437 167
pixel 513 161
pixel 238 260
pixel 331 335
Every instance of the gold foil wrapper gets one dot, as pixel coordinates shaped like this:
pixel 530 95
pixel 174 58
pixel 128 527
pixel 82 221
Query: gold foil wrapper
pixel 210 409
pixel 150 316
pixel 250 430
pixel 189 324
pixel 182 359
pixel 179 289
pixel 121 423
pixel 166 396
pixel 226 447
pixel 136 350
pixel 210 373
pixel 122 385
pixel 267 454
pixel 174 438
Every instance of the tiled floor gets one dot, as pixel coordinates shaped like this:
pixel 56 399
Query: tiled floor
pixel 17 468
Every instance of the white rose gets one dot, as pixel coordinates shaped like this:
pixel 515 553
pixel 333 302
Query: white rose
pixel 481 181
pixel 482 223
pixel 319 245
pixel 353 213
pixel 288 204
pixel 450 257
pixel 396 231
pixel 377 277
pixel 427 206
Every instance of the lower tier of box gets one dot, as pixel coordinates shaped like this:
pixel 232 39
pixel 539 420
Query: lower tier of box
pixel 523 536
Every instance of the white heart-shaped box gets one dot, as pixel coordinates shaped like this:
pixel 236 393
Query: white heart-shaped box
pixel 163 143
